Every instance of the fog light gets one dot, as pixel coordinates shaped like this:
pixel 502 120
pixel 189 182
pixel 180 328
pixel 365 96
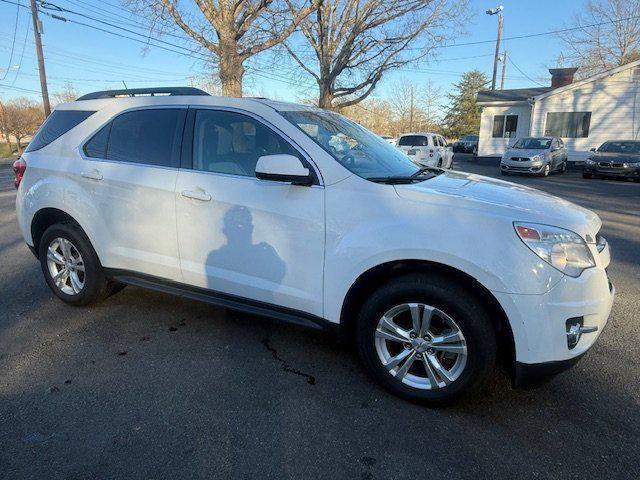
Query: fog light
pixel 575 329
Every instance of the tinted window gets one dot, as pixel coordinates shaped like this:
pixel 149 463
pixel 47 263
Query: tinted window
pixel 505 126
pixel 620 147
pixel 413 141
pixel 498 126
pixel 58 123
pixel 97 146
pixel 150 137
pixel 568 124
pixel 228 142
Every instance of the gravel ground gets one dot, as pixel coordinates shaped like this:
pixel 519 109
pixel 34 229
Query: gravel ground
pixel 148 386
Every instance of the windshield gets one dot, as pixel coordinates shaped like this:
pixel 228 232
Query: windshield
pixel 533 143
pixel 413 141
pixel 470 138
pixel 620 147
pixel 356 148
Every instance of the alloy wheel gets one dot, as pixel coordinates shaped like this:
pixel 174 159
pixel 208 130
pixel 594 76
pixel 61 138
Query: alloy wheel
pixel 421 346
pixel 66 266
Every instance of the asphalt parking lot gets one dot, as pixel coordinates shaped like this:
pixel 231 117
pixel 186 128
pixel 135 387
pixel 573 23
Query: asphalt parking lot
pixel 148 386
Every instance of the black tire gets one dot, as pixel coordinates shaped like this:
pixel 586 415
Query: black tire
pixel 545 171
pixel 504 172
pixel 586 175
pixel 454 300
pixel 96 286
pixel 563 167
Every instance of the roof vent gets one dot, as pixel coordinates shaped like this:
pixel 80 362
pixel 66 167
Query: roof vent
pixel 562 76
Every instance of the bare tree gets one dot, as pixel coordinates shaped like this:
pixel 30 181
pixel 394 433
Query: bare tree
pixel 614 41
pixel 229 31
pixel 68 93
pixel 414 107
pixel 4 130
pixel 23 117
pixel 353 43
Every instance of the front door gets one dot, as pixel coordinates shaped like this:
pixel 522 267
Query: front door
pixel 256 239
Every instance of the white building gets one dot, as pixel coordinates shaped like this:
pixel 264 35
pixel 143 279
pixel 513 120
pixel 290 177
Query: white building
pixel 584 114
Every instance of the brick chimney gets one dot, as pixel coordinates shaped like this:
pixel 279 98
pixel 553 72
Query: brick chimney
pixel 562 76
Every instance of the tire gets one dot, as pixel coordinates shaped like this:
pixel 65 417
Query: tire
pixel 586 175
pixel 454 308
pixel 439 163
pixel 545 171
pixel 563 167
pixel 504 172
pixel 93 284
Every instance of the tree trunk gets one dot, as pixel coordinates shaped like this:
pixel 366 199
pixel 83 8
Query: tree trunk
pixel 325 98
pixel 231 71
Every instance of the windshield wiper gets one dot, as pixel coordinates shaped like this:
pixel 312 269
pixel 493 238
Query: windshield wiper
pixel 421 170
pixel 400 179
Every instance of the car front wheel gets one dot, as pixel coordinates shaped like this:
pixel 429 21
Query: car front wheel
pixel 426 339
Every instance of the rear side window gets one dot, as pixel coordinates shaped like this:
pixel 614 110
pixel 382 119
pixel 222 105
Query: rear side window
pixel 149 137
pixel 58 123
pixel 413 141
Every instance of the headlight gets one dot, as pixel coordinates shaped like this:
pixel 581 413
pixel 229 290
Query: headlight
pixel 536 158
pixel 560 248
pixel 590 161
pixel 629 165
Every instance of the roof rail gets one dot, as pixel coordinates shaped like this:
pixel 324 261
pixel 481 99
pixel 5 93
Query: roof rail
pixel 134 92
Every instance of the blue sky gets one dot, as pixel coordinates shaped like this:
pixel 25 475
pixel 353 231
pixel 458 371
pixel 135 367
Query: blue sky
pixel 94 60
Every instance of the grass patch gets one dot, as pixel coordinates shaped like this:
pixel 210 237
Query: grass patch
pixel 5 152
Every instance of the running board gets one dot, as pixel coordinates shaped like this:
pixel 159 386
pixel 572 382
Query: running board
pixel 225 300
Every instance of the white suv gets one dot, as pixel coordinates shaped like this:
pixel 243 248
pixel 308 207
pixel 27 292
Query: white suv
pixel 247 203
pixel 427 149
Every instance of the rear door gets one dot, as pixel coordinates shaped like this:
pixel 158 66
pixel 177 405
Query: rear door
pixel 256 239
pixel 129 170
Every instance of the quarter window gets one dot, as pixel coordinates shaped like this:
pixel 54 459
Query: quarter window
pixel 58 123
pixel 568 124
pixel 97 146
pixel 505 126
pixel 229 142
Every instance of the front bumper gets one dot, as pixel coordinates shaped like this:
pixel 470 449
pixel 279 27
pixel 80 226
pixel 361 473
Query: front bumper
pixel 521 167
pixel 540 323
pixel 533 374
pixel 612 172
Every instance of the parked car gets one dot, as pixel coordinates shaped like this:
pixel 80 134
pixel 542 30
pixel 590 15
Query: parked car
pixel 389 140
pixel 467 144
pixel 246 203
pixel 426 149
pixel 535 156
pixel 619 158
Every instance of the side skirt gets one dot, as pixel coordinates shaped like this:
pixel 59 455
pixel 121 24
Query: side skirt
pixel 233 302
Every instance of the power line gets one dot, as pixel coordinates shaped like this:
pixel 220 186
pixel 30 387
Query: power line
pixel 13 43
pixel 526 76
pixel 24 44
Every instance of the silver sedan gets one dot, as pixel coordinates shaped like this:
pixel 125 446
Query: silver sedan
pixel 535 156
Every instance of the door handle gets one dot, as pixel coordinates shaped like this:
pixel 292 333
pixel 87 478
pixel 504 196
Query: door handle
pixel 93 175
pixel 196 195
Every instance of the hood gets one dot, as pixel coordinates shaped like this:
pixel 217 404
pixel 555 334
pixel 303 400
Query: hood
pixel 499 198
pixel 523 152
pixel 617 157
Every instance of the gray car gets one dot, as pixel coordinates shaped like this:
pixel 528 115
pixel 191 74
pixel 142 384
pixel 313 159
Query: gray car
pixel 535 156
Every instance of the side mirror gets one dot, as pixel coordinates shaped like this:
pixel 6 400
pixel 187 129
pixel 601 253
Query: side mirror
pixel 283 168
pixel 592 149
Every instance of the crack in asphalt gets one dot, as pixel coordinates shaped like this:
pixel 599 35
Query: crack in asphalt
pixel 311 380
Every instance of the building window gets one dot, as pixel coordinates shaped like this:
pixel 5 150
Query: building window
pixel 505 126
pixel 568 124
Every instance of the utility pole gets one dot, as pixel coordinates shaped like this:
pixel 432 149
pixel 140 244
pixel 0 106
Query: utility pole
pixel 504 67
pixel 495 11
pixel 411 110
pixel 43 76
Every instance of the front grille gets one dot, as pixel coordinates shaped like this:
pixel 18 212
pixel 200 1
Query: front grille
pixel 520 159
pixel 611 165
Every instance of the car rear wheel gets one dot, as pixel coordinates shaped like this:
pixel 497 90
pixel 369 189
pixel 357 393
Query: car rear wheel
pixel 563 167
pixel 71 267
pixel 426 339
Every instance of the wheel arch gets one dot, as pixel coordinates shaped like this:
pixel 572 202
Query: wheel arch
pixel 373 278
pixel 43 219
